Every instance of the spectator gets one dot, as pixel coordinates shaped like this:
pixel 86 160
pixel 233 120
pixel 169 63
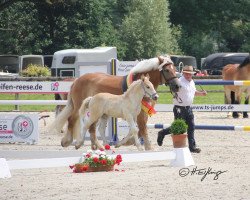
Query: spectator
pixel 205 72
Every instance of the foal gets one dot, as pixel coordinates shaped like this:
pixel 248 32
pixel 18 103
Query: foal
pixel 126 106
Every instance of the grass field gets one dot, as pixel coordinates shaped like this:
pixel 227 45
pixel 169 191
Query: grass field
pixel 165 98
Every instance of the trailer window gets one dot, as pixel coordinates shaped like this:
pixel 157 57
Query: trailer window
pixel 69 60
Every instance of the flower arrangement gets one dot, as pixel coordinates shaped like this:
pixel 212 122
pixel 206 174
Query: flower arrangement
pixel 98 160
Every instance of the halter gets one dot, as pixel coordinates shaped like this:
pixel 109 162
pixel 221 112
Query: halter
pixel 147 93
pixel 175 95
pixel 167 80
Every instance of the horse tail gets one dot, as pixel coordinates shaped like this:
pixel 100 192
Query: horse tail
pixel 63 116
pixel 84 106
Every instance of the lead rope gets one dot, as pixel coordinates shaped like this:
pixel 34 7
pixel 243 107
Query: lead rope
pixel 175 96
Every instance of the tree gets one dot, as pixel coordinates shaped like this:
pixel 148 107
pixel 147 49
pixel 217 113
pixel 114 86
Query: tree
pixel 146 30
pixel 211 26
pixel 18 35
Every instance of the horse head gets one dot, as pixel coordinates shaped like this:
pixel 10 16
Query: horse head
pixel 148 88
pixel 168 72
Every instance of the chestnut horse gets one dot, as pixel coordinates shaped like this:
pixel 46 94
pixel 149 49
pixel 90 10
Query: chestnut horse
pixel 233 93
pixel 160 70
pixel 126 106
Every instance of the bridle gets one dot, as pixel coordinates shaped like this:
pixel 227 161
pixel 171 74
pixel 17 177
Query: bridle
pixel 175 95
pixel 165 78
pixel 147 93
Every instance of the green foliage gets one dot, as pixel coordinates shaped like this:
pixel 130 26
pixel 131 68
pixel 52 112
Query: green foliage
pixel 178 126
pixel 211 26
pixel 138 28
pixel 36 71
pixel 146 30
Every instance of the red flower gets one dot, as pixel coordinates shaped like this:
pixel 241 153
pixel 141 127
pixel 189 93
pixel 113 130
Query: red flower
pixel 71 166
pixel 118 159
pixel 96 160
pixel 103 162
pixel 87 155
pixel 84 168
pixel 107 147
pixel 101 149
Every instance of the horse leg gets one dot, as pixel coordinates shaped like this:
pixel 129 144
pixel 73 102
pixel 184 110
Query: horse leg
pixel 237 101
pixel 68 137
pixel 228 99
pixel 232 98
pixel 84 126
pixel 133 133
pixel 95 144
pixel 102 127
pixel 142 119
pixel 245 115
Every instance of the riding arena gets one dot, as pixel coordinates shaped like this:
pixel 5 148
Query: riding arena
pixel 41 170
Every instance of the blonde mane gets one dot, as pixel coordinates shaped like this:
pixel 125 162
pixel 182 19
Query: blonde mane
pixel 132 86
pixel 150 64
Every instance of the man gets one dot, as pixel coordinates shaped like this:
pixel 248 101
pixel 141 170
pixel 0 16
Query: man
pixel 182 102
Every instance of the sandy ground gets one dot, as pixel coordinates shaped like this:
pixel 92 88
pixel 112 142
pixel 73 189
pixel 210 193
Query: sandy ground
pixel 223 152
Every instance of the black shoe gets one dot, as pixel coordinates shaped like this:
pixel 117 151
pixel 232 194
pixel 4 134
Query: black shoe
pixel 160 137
pixel 195 150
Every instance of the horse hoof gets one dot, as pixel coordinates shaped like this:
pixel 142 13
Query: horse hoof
pixel 235 115
pixel 78 145
pixel 65 142
pixel 93 147
pixel 245 116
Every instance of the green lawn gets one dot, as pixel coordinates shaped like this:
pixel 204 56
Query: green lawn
pixel 211 98
pixel 165 98
pixel 27 107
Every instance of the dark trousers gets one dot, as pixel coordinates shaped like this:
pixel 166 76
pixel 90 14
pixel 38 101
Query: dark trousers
pixel 185 113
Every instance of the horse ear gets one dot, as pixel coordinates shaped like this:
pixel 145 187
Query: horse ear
pixel 147 75
pixel 142 77
pixel 161 60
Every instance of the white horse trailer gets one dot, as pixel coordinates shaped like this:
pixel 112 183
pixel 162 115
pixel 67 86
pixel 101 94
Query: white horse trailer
pixel 76 62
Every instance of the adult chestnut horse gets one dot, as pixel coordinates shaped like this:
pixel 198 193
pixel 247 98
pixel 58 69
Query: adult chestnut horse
pixel 233 93
pixel 160 70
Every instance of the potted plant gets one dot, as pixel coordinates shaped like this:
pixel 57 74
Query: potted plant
pixel 178 130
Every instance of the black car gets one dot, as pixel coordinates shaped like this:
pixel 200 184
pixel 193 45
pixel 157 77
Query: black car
pixel 214 63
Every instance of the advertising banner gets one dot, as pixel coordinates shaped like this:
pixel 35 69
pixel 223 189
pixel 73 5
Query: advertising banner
pixel 35 87
pixel 19 128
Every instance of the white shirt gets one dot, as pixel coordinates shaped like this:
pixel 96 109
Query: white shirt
pixel 186 93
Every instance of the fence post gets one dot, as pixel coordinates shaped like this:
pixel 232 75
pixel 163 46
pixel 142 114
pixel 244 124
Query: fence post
pixel 17 98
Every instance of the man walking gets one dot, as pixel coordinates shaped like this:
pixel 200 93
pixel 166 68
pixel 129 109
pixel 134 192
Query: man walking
pixel 182 107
